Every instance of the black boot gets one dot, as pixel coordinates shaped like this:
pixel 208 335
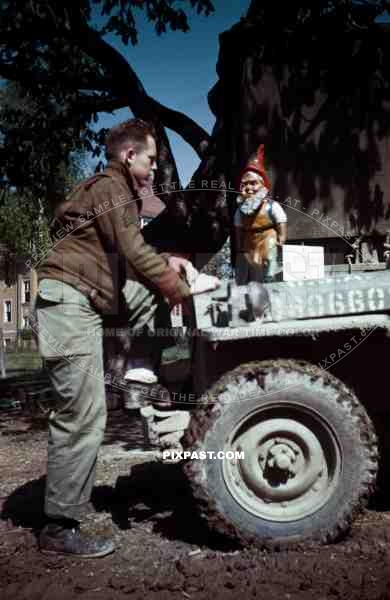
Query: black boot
pixel 64 537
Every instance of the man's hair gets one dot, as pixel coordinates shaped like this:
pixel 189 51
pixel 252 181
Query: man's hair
pixel 133 131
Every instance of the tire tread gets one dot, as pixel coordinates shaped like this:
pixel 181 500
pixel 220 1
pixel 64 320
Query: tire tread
pixel 205 419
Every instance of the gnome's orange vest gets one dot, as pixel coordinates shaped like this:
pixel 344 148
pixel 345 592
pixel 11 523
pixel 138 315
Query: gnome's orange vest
pixel 258 235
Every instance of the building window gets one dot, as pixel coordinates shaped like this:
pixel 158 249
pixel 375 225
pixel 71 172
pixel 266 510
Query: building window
pixel 26 292
pixel 7 311
pixel 26 322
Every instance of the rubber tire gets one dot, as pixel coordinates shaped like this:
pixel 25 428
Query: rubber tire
pixel 337 405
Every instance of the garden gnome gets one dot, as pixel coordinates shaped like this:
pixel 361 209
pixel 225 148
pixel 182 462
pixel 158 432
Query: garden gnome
pixel 260 225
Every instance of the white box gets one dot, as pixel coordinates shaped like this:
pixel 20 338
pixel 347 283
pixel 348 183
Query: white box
pixel 303 262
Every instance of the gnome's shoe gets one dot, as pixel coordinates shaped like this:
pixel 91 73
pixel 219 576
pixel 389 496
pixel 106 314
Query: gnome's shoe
pixel 70 541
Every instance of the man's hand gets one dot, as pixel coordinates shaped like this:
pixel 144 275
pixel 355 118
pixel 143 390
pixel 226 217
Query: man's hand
pixel 204 283
pixel 198 282
pixel 179 264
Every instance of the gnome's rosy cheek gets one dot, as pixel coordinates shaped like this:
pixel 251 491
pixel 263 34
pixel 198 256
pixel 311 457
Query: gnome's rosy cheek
pixel 251 184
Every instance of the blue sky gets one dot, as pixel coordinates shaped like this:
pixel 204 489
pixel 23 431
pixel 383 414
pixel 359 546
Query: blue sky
pixel 178 69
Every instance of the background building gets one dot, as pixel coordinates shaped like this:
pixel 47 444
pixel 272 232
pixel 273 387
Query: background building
pixel 17 293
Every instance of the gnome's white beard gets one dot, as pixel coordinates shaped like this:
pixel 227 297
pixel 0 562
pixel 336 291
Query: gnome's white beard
pixel 249 205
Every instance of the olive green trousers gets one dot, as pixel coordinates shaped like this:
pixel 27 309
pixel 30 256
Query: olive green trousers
pixel 70 340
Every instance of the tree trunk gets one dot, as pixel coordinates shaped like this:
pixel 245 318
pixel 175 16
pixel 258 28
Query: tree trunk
pixel 322 111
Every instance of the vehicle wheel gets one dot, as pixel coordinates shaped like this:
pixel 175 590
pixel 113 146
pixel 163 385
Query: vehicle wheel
pixel 310 455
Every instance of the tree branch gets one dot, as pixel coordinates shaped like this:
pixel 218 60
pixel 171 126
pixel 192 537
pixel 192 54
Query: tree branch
pixel 122 83
pixel 13 72
pixel 191 132
pixel 131 94
pixel 183 125
pixel 125 79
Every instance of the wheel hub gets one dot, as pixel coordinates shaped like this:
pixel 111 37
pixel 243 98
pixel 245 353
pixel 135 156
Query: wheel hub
pixel 281 457
pixel 288 470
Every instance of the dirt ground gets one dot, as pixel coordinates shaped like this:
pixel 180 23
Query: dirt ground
pixel 163 551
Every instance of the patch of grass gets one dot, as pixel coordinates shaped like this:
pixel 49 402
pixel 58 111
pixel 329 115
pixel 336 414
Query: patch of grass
pixel 31 361
pixel 22 361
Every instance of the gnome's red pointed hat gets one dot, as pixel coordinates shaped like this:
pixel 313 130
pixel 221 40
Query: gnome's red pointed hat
pixel 256 165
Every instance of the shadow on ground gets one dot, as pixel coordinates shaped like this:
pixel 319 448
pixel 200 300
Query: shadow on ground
pixel 157 493
pixel 24 506
pixel 152 492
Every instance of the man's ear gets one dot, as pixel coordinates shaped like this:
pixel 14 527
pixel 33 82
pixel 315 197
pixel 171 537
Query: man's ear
pixel 127 156
pixel 130 156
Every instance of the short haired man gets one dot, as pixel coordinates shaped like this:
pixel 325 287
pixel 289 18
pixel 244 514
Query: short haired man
pixel 98 251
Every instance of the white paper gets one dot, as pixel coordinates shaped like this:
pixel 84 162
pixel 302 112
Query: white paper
pixel 303 262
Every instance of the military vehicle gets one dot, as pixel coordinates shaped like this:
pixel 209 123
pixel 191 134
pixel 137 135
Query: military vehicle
pixel 283 374
pixel 283 383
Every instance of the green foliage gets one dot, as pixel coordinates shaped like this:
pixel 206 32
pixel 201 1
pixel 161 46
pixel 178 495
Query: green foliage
pixel 65 72
pixel 53 53
pixel 317 16
pixel 163 14
pixel 39 152
pixel 26 334
pixel 22 361
pixel 22 227
pixel 33 171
